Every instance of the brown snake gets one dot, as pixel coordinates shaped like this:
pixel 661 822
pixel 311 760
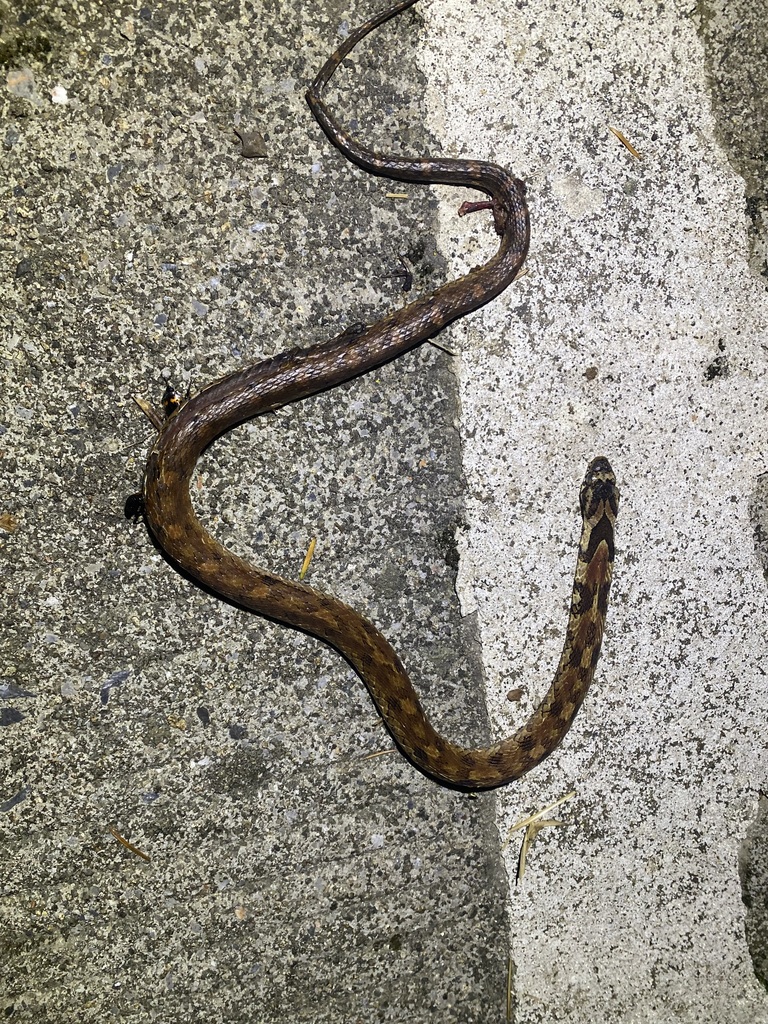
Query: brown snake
pixel 300 372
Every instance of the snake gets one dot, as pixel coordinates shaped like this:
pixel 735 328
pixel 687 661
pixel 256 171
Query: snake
pixel 296 373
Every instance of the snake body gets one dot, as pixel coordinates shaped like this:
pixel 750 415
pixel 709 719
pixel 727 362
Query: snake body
pixel 293 375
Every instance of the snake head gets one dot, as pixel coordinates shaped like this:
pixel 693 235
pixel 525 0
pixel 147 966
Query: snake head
pixel 599 495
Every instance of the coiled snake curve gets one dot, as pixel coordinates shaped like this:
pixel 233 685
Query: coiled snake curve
pixel 297 373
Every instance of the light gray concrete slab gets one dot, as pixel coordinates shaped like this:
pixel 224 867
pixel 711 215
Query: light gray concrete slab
pixel 640 332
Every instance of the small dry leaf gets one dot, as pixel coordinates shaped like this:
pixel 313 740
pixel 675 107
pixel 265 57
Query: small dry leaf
pixel 308 558
pixel 8 523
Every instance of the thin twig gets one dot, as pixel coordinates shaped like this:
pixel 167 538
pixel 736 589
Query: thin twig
pixel 376 753
pixel 149 412
pixel 509 987
pixel 625 142
pixel 533 824
pixel 127 845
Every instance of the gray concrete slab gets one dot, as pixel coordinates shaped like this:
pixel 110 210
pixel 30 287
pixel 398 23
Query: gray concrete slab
pixel 292 877
pixel 292 874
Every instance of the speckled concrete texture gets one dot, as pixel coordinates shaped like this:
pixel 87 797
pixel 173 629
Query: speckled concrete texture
pixel 640 332
pixel 292 875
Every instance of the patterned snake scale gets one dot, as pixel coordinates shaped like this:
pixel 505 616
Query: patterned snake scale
pixel 294 374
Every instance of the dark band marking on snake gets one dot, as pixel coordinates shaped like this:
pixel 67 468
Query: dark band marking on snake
pixel 293 375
